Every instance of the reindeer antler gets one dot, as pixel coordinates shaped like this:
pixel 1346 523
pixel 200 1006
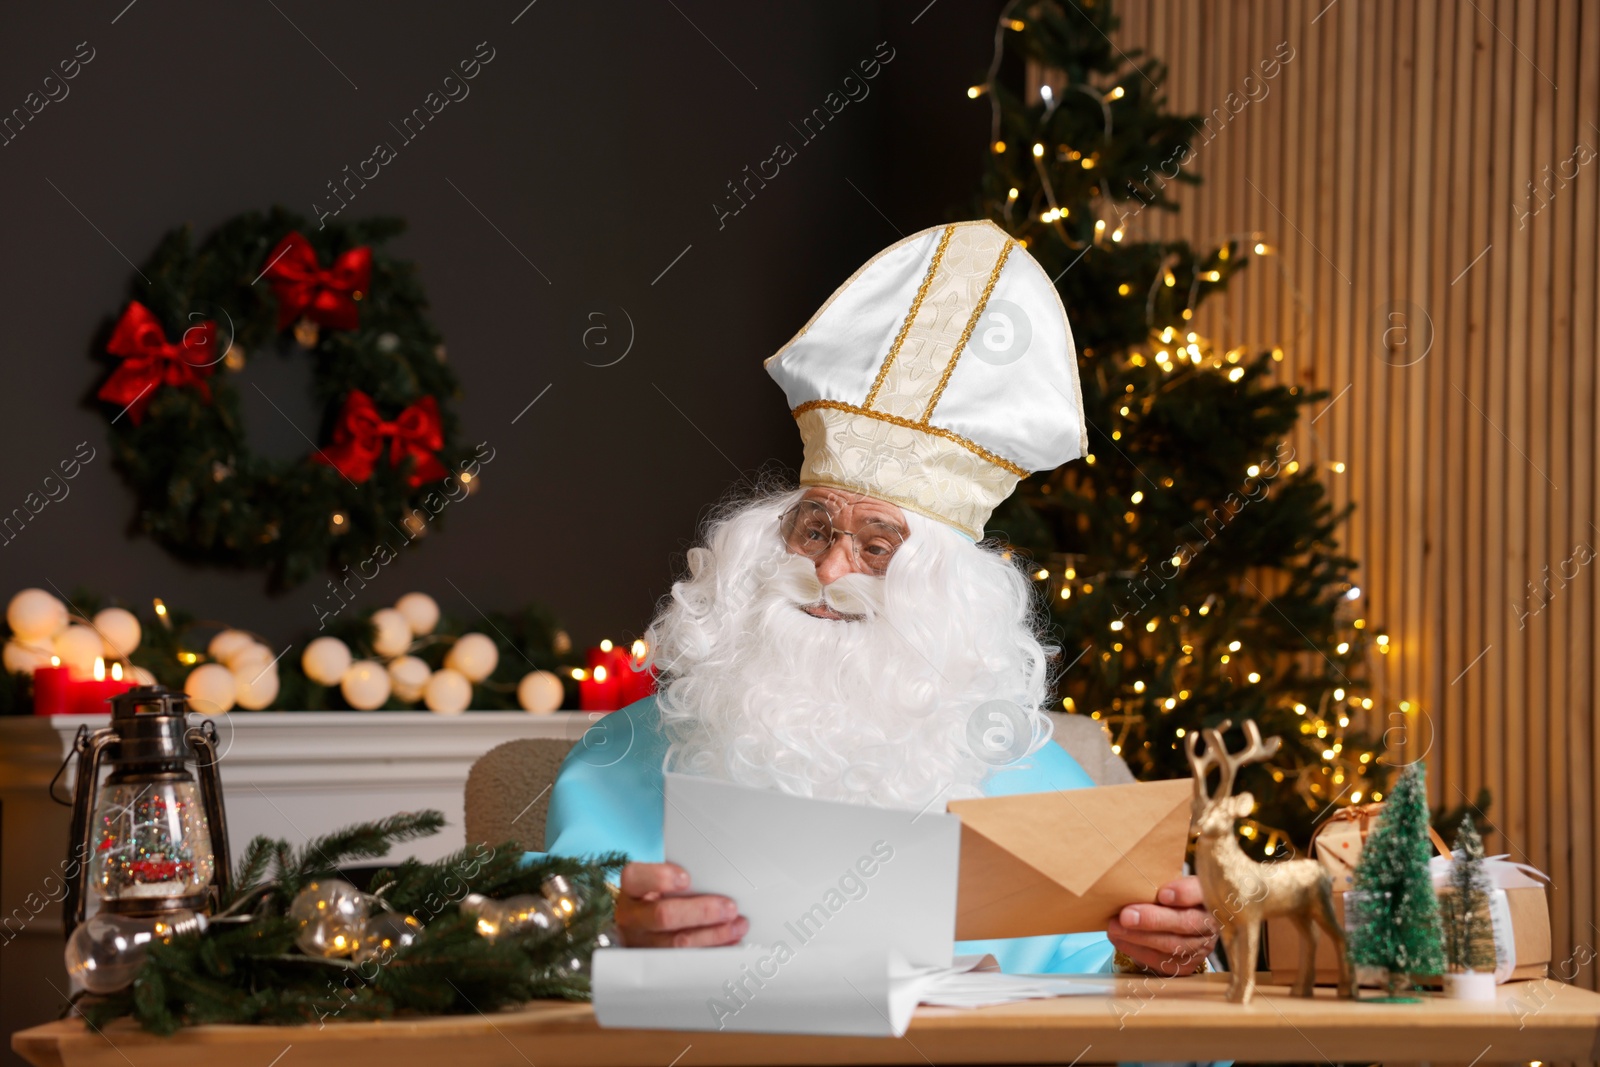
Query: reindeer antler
pixel 1200 765
pixel 1217 755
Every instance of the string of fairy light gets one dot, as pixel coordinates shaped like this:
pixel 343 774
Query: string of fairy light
pixel 1338 778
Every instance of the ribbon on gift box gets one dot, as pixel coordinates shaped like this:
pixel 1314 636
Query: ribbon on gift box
pixel 1503 873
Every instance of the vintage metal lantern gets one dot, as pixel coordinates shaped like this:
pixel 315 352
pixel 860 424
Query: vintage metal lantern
pixel 150 842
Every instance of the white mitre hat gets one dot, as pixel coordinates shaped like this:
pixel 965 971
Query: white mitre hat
pixel 939 375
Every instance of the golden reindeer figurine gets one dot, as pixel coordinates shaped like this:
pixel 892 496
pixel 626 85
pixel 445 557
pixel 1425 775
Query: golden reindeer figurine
pixel 1243 893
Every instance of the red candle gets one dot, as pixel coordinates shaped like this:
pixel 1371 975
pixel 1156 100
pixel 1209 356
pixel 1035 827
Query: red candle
pixel 601 687
pixel 89 697
pixel 52 689
pixel 637 684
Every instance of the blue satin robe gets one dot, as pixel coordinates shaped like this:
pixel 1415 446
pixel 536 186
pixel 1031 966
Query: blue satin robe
pixel 608 798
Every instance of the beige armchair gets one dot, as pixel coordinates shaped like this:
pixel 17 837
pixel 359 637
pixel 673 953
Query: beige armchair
pixel 508 788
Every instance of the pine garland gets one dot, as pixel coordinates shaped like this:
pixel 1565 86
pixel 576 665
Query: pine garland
pixel 202 494
pixel 251 972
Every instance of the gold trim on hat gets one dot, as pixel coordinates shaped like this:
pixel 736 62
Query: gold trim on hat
pixel 916 306
pixel 966 334
pixel 896 420
pixel 927 473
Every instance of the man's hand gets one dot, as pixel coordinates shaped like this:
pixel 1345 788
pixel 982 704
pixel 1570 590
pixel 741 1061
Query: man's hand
pixel 1171 937
pixel 648 918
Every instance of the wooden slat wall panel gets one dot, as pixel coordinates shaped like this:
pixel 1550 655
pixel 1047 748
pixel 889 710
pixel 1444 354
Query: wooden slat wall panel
pixel 1388 166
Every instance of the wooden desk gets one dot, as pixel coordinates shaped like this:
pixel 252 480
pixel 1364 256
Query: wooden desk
pixel 1177 1019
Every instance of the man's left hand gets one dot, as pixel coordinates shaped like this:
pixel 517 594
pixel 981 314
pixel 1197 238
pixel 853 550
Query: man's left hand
pixel 1171 937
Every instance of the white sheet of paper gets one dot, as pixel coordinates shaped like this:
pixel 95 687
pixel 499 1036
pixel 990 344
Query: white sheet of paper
pixel 816 990
pixel 817 873
pixel 819 990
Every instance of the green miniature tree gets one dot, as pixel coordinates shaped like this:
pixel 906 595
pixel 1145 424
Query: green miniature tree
pixel 1396 913
pixel 1468 930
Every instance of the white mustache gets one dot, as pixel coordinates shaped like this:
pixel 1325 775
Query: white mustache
pixel 795 580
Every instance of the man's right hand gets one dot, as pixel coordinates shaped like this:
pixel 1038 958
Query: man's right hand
pixel 648 918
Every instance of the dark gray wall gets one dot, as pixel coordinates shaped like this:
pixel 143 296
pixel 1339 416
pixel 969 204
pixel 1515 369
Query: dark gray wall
pixel 596 142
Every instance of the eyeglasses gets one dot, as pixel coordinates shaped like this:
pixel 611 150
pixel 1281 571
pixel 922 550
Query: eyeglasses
pixel 808 530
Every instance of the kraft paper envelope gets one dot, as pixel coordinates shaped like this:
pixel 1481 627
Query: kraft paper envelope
pixel 1065 862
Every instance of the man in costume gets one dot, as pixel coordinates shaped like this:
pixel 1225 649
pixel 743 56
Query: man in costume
pixel 836 640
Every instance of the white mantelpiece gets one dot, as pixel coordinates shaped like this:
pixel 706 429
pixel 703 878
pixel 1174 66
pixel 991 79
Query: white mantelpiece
pixel 288 775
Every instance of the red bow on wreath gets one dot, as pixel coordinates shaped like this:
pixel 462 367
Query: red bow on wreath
pixel 323 296
pixel 150 360
pixel 359 434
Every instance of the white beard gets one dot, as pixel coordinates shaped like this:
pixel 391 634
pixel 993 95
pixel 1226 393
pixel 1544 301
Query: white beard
pixel 876 710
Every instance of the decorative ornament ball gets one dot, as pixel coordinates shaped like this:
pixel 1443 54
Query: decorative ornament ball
pixel 254 686
pixel 120 632
pixel 35 616
pixel 421 612
pixel 391 633
pixel 385 934
pixel 325 660
pixel 211 689
pixel 332 914
pixel 540 692
pixel 474 655
pixel 365 685
pixel 23 659
pixel 409 675
pixel 79 646
pixel 448 692
pixel 228 644
pixel 140 676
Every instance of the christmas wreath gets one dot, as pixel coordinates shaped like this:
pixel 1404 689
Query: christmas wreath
pixel 264 282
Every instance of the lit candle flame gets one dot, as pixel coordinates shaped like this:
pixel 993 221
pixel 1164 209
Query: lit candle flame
pixel 605 646
pixel 116 672
pixel 599 674
pixel 99 669
pixel 640 650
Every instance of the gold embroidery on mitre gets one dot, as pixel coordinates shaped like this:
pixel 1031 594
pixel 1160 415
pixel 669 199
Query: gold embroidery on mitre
pixel 916 306
pixel 938 431
pixel 934 473
pixel 930 343
pixel 966 334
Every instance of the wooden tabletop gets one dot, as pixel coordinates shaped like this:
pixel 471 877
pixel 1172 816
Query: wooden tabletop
pixel 1146 1019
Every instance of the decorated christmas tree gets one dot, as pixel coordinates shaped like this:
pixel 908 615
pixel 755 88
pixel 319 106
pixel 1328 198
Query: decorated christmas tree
pixel 1468 931
pixel 1190 560
pixel 1396 912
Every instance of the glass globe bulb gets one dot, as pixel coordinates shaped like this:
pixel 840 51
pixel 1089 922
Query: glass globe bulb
pixel 105 952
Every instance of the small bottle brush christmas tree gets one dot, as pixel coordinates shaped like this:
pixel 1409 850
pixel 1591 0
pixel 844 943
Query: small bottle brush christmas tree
pixel 1396 913
pixel 1468 930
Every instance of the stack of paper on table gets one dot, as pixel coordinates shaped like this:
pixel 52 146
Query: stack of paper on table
pixel 853 910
